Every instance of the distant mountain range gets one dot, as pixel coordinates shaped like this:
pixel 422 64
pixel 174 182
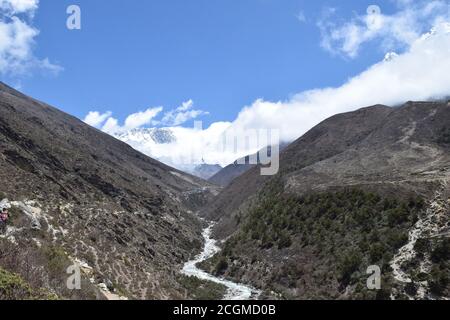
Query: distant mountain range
pixel 144 138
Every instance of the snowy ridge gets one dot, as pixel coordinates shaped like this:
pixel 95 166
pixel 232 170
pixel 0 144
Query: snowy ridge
pixel 148 135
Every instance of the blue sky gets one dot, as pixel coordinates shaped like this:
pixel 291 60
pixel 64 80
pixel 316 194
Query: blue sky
pixel 235 65
pixel 222 54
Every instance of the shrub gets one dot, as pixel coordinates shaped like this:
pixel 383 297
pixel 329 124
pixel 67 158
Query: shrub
pixel 383 294
pixel 221 266
pixel 397 238
pixel 43 270
pixel 17 218
pixel 422 246
pixel 411 289
pixel 376 252
pixel 398 216
pixel 13 287
pixel 371 228
pixel 439 281
pixel 349 264
pixel 442 251
pixel 57 260
pixel 284 242
pixel 444 136
pixel 202 290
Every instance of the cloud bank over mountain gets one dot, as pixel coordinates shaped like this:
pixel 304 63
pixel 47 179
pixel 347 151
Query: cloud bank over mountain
pixel 419 71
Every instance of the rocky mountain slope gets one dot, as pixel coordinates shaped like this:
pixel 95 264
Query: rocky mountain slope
pixel 357 190
pixel 224 176
pixel 77 194
pixel 229 173
pixel 365 188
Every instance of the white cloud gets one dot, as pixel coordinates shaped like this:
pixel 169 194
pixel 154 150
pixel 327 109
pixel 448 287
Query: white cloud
pixel 143 118
pixel 301 17
pixel 133 121
pixel 186 105
pixel 17 39
pixel 19 6
pixel 95 118
pixel 173 118
pixel 191 146
pixel 396 31
pixel 182 114
pixel 111 126
pixel 418 73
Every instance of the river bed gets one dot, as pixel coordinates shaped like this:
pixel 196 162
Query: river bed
pixel 235 291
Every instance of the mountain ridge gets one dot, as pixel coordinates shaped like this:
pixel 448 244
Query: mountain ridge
pixel 348 193
pixel 96 199
pixel 225 176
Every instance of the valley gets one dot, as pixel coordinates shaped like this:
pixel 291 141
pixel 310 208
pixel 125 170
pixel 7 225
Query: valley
pixel 369 187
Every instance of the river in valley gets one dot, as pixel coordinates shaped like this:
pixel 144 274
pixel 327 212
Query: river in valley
pixel 235 291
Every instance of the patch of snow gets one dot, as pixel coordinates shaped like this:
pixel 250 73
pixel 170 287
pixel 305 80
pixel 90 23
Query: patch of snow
pixel 390 56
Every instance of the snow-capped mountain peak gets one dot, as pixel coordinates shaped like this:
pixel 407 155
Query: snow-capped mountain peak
pixel 155 141
pixel 156 135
